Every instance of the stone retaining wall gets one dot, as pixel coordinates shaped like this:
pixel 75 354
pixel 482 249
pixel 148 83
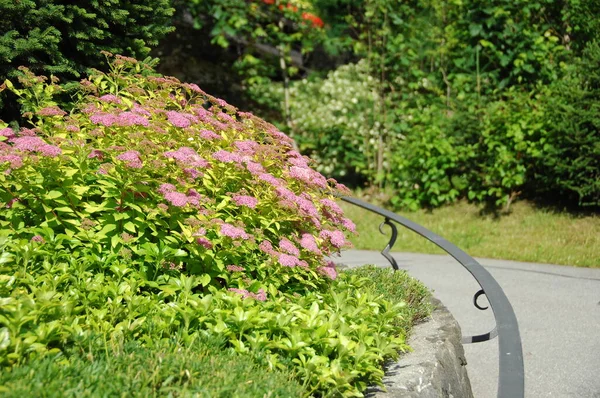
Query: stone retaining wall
pixel 435 368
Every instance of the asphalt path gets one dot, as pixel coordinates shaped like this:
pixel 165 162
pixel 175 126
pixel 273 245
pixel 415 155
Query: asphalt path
pixel 557 307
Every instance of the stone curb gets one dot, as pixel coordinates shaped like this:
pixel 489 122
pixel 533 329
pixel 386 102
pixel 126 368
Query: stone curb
pixel 435 368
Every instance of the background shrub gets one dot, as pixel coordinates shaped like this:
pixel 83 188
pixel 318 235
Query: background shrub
pixel 568 165
pixel 64 38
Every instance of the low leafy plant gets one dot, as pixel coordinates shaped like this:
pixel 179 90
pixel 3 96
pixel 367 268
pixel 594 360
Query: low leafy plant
pixel 334 341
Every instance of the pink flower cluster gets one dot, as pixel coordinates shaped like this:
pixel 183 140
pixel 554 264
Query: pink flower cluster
pixel 122 119
pixel 177 199
pixel 234 268
pixel 226 156
pixel 336 238
pixel 110 99
pixel 288 260
pixel 233 232
pixel 35 144
pixel 15 161
pixel 308 242
pixel 328 270
pixel 204 242
pixel 38 239
pixel 245 200
pixel 180 119
pixel 188 156
pixel 308 176
pixel 209 135
pixel 7 132
pixel 131 159
pixel 288 247
pixel 51 111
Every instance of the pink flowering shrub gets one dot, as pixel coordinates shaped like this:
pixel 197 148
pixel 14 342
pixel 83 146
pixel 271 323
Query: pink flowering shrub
pixel 157 173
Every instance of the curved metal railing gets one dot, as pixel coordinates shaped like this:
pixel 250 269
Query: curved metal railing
pixel 511 379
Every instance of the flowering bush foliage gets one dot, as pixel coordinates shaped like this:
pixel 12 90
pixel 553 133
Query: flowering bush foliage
pixel 158 174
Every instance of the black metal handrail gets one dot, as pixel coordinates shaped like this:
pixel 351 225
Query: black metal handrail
pixel 511 378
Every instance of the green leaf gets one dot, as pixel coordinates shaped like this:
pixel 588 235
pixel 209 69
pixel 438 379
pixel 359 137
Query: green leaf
pixel 53 195
pixel 205 280
pixel 129 226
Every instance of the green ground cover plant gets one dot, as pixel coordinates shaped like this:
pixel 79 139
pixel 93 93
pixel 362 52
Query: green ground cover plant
pixel 528 233
pixel 153 213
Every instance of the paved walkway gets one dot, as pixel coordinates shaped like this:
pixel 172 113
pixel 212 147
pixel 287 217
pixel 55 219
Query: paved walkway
pixel 558 309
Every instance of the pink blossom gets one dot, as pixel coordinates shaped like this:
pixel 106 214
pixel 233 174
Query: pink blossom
pixel 221 102
pixel 131 158
pixel 307 207
pixel 193 87
pixel 246 146
pixel 308 176
pixel 177 199
pixel 267 248
pixel 342 188
pixel 28 132
pixel 308 242
pixel 245 200
pixel 329 270
pixel 15 160
pixel 131 119
pixel 193 173
pixel 37 238
pixel 276 182
pixel 188 156
pixel 332 207
pixel 235 268
pixel 72 128
pixel 96 154
pixel 348 224
pixel 139 110
pixel 225 117
pixel 11 202
pixel 165 188
pixel 336 237
pixel 200 232
pixel 245 115
pixel 288 260
pixel 178 119
pixel 110 98
pixel 50 151
pixel 51 111
pixel 233 232
pixel 297 159
pixel 261 295
pixel 29 144
pixel 226 157
pixel 105 119
pixel 209 135
pixel 254 168
pixel 7 132
pixel 194 197
pixel 204 242
pixel 288 247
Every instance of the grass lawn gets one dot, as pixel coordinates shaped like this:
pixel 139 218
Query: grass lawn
pixel 526 234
